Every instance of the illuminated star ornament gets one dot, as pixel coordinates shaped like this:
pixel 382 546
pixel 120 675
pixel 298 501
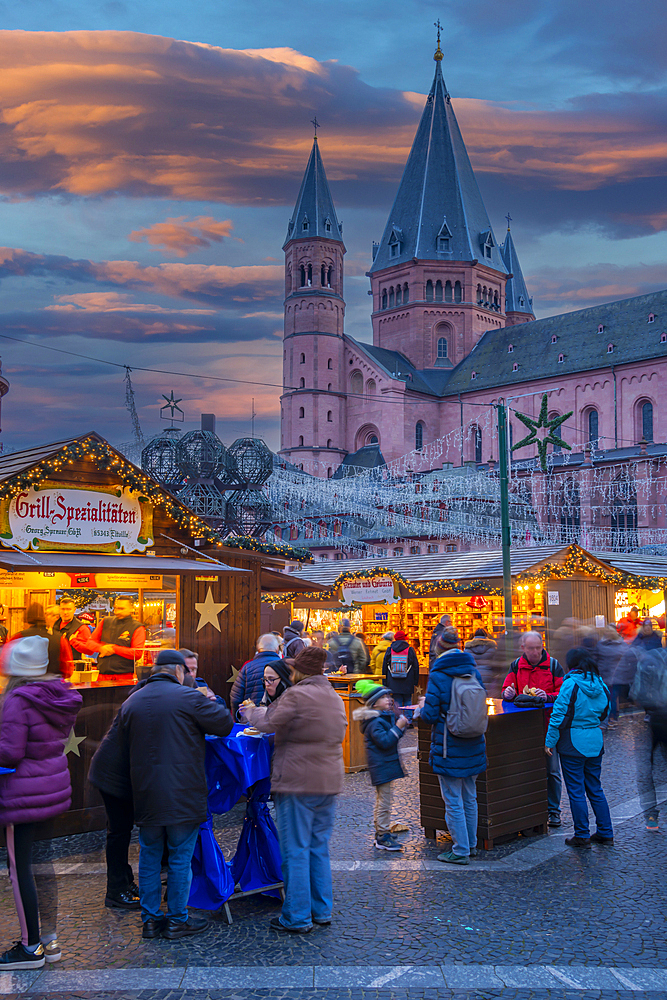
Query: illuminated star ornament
pixel 550 427
pixel 208 611
pixel 72 743
pixel 173 407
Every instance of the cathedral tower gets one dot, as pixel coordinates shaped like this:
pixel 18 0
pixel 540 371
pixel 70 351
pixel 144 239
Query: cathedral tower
pixel 518 303
pixel 313 408
pixel 438 277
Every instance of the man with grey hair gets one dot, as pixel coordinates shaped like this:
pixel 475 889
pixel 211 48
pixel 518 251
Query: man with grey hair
pixel 249 683
pixel 162 728
pixel 541 675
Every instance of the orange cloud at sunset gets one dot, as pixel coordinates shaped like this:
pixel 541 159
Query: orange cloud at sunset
pixel 95 113
pixel 182 235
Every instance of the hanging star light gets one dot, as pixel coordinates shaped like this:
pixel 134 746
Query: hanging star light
pixel 542 423
pixel 208 611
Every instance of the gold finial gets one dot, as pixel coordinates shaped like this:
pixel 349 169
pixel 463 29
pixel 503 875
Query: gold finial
pixel 438 52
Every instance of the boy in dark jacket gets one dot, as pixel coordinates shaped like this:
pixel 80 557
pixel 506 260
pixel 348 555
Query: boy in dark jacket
pixel 382 732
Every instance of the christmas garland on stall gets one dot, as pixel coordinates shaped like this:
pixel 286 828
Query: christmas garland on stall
pixel 413 589
pixel 298 554
pixel 577 561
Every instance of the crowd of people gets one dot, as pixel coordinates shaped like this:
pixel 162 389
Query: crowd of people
pixel 149 768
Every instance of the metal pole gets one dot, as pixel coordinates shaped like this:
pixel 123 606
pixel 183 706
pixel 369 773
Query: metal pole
pixel 505 513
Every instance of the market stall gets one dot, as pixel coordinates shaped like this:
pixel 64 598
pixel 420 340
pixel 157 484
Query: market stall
pixel 78 520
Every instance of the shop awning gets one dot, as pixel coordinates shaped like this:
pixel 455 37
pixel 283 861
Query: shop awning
pixel 88 562
pixel 274 582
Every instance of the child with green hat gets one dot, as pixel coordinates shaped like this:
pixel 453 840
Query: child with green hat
pixel 382 732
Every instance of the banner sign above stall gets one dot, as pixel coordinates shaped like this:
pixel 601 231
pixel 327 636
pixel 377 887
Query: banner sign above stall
pixel 370 590
pixel 54 518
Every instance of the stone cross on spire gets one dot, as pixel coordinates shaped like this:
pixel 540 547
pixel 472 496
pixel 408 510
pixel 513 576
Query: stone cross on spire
pixel 314 122
pixel 438 52
pixel 509 219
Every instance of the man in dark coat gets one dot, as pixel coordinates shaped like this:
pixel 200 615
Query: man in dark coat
pixel 445 622
pixel 400 669
pixel 293 640
pixel 465 757
pixel 164 725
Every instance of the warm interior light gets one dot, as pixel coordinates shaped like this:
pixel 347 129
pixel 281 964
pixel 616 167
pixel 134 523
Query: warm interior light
pixel 538 586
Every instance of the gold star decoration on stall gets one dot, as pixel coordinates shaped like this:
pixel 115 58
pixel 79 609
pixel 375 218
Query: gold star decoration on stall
pixel 208 611
pixel 234 674
pixel 72 743
pixel 542 424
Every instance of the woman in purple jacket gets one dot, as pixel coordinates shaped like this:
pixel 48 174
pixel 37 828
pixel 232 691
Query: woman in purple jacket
pixel 38 712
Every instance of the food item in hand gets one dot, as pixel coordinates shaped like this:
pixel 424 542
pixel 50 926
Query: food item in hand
pixel 528 690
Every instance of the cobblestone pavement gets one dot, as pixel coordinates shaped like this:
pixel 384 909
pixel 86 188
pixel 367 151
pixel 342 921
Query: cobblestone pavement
pixel 532 918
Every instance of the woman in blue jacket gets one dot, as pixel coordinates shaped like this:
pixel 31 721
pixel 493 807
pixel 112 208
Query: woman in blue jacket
pixel 574 729
pixel 466 757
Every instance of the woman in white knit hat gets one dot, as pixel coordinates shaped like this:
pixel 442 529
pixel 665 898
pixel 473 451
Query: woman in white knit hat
pixel 38 712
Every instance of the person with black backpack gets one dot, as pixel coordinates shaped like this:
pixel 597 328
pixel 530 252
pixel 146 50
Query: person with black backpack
pixel 348 652
pixel 455 706
pixel 400 669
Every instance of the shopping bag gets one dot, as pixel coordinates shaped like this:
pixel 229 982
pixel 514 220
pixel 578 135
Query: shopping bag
pixel 257 861
pixel 212 881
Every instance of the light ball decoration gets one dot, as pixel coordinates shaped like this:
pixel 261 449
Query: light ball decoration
pixel 202 455
pixel 158 459
pixel 254 461
pixel 205 500
pixel 249 512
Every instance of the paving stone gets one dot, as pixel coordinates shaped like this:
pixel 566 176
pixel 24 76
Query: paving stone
pixel 467 977
pixel 251 976
pixel 61 981
pixel 379 977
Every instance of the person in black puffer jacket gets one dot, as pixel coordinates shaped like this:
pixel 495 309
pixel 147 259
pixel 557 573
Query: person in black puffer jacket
pixel 402 678
pixel 382 732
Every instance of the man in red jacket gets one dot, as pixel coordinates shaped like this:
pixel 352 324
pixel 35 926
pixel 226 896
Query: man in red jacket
pixel 119 640
pixel 72 628
pixel 536 669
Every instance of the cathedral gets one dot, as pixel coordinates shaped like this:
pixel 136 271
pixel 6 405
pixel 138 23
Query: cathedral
pixel 454 330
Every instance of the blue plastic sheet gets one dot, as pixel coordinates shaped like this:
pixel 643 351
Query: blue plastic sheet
pixel 212 880
pixel 237 765
pixel 234 765
pixel 257 861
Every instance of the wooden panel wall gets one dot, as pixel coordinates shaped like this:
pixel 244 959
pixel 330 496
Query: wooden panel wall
pixel 239 621
pixel 592 597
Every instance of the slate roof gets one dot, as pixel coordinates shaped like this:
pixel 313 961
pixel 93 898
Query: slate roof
pixel 314 204
pixel 18 461
pixel 483 564
pixel 625 326
pixel 438 186
pixel 368 457
pixel 517 298
pixel 429 381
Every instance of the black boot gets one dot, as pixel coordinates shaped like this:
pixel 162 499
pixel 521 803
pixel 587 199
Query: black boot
pixel 153 928
pixel 175 929
pixel 125 899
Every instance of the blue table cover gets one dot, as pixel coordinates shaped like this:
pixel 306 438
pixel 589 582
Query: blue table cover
pixel 7 770
pixel 236 765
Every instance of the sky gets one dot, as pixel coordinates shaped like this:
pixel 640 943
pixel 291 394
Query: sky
pixel 151 155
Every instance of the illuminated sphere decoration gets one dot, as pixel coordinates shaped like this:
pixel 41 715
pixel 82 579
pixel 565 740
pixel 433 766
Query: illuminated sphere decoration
pixel 158 459
pixel 254 461
pixel 202 455
pixel 248 512
pixel 205 500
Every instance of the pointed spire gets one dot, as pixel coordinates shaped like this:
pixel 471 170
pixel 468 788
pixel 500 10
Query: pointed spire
pixel 438 186
pixel 314 213
pixel 517 298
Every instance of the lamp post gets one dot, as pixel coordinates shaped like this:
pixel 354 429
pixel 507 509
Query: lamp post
pixel 505 513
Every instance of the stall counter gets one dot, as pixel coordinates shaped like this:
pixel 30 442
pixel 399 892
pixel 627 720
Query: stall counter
pixel 512 792
pixel 354 751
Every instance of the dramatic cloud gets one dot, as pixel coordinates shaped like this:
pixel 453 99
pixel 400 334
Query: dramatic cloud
pixel 95 113
pixel 182 235
pixel 219 285
pixel 114 302
pixel 559 290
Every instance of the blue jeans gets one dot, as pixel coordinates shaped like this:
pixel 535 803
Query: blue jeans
pixel 305 823
pixel 582 779
pixel 460 797
pixel 402 699
pixel 554 783
pixel 181 842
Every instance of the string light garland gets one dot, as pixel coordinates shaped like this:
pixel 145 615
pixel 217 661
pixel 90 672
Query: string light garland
pixel 576 561
pixel 297 554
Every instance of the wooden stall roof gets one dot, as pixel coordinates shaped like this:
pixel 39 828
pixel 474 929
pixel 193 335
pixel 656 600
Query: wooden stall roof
pixel 274 582
pixel 635 562
pixel 13 560
pixel 19 461
pixel 485 564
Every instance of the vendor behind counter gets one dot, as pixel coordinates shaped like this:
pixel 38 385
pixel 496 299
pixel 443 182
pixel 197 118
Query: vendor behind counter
pixel 119 639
